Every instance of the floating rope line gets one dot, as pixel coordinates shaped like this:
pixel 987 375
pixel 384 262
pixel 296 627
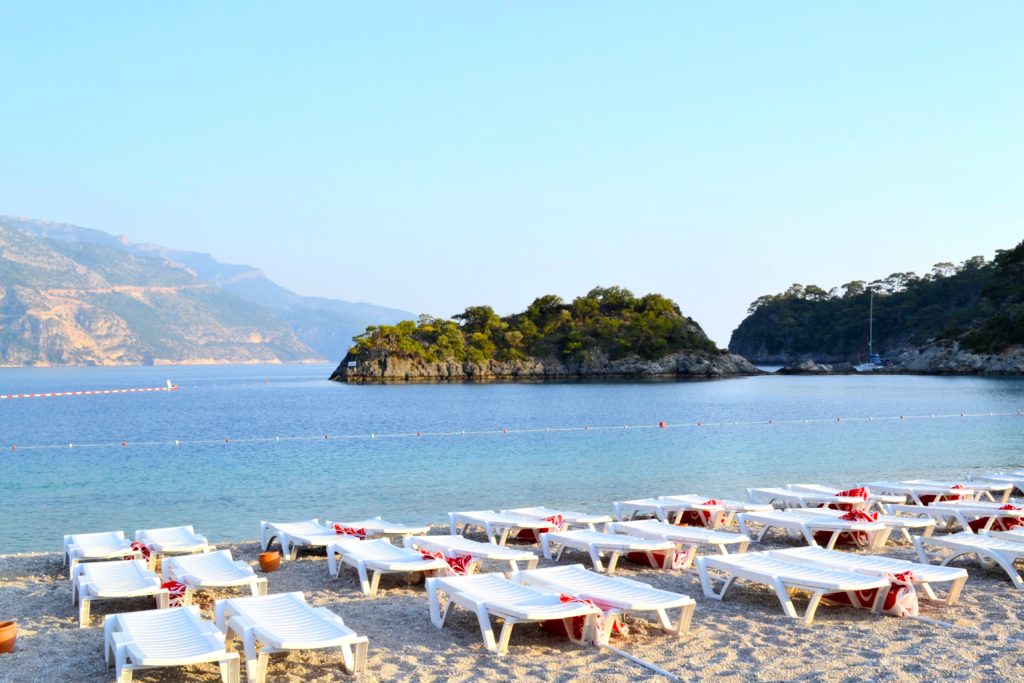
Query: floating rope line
pixel 662 424
pixel 93 392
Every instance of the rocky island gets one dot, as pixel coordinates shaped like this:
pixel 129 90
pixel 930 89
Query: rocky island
pixel 608 334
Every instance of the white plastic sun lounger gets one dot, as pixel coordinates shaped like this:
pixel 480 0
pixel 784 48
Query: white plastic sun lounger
pixel 489 595
pixel 173 540
pixel 990 550
pixel 597 543
pixel 460 546
pixel 1016 479
pixel 983 489
pixel 686 538
pixel 283 622
pixel 951 514
pixel 377 527
pixel 496 525
pixel 902 524
pixel 111 581
pixel 103 545
pixel 784 577
pixel 613 595
pixel 879 565
pixel 162 638
pixel 671 508
pixel 798 522
pixel 916 491
pixel 590 520
pixel 293 535
pixel 801 499
pixel 212 570
pixel 874 499
pixel 379 556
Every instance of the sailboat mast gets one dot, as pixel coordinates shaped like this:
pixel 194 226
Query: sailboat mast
pixel 871 324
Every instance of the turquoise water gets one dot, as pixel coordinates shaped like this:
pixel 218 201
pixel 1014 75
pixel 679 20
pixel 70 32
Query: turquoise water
pixel 226 488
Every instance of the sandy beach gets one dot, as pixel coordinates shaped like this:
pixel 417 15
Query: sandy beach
pixel 744 638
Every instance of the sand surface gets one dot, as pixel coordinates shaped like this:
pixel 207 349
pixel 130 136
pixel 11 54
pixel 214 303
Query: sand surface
pixel 744 638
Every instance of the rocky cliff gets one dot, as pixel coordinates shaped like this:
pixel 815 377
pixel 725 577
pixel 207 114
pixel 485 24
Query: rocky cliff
pixel 324 325
pixel 683 365
pixel 86 304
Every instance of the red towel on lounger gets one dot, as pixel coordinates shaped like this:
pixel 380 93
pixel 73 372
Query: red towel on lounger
pixel 705 518
pixel 176 593
pixel 1000 523
pixel 558 625
pixel 858 538
pixel 928 499
pixel 533 535
pixel 349 531
pixel 900 598
pixel 137 546
pixel 861 493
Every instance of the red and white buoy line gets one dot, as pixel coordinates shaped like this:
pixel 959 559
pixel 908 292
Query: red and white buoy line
pixel 664 425
pixel 93 392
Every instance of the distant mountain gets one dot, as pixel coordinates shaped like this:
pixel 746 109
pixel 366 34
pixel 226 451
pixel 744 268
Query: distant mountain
pixel 326 326
pixel 975 308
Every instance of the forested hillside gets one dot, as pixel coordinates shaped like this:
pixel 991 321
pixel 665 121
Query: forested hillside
pixel 609 320
pixel 978 304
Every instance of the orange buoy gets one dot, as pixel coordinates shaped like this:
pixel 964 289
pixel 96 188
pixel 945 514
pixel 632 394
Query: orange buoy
pixel 662 424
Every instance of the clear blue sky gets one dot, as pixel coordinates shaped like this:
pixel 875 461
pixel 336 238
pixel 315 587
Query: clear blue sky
pixel 432 156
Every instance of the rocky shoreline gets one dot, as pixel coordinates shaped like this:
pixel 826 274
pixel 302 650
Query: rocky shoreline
pixel 933 359
pixel 683 365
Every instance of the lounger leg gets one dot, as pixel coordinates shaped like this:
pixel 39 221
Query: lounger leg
pixel 707 584
pixel 229 670
pixel 108 642
pixel 613 561
pixel 812 606
pixel 506 634
pixel 487 631
pixel 259 587
pixel 374 582
pixel 453 525
pixel 545 548
pixel 595 557
pixel 685 617
pixel 437 618
pixel 332 564
pixel 787 602
pixel 163 599
pixel 690 553
pixel 364 580
pixel 122 674
pixel 358 666
pixel 84 604
pixel 252 657
pixel 954 591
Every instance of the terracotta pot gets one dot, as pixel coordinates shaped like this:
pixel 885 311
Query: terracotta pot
pixel 8 634
pixel 270 561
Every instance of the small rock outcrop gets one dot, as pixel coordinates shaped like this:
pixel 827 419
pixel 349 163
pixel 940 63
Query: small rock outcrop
pixel 952 359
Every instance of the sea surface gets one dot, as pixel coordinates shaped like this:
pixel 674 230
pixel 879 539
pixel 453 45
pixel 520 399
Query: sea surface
pixel 251 444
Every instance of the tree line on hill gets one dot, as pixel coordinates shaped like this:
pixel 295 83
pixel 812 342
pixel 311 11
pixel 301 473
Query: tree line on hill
pixel 609 320
pixel 976 303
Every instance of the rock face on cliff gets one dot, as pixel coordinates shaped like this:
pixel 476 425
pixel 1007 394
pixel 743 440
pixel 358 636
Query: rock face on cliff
pixel 694 365
pixel 86 304
pixel 323 325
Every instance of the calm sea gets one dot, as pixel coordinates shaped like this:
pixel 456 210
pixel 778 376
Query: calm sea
pixel 229 472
